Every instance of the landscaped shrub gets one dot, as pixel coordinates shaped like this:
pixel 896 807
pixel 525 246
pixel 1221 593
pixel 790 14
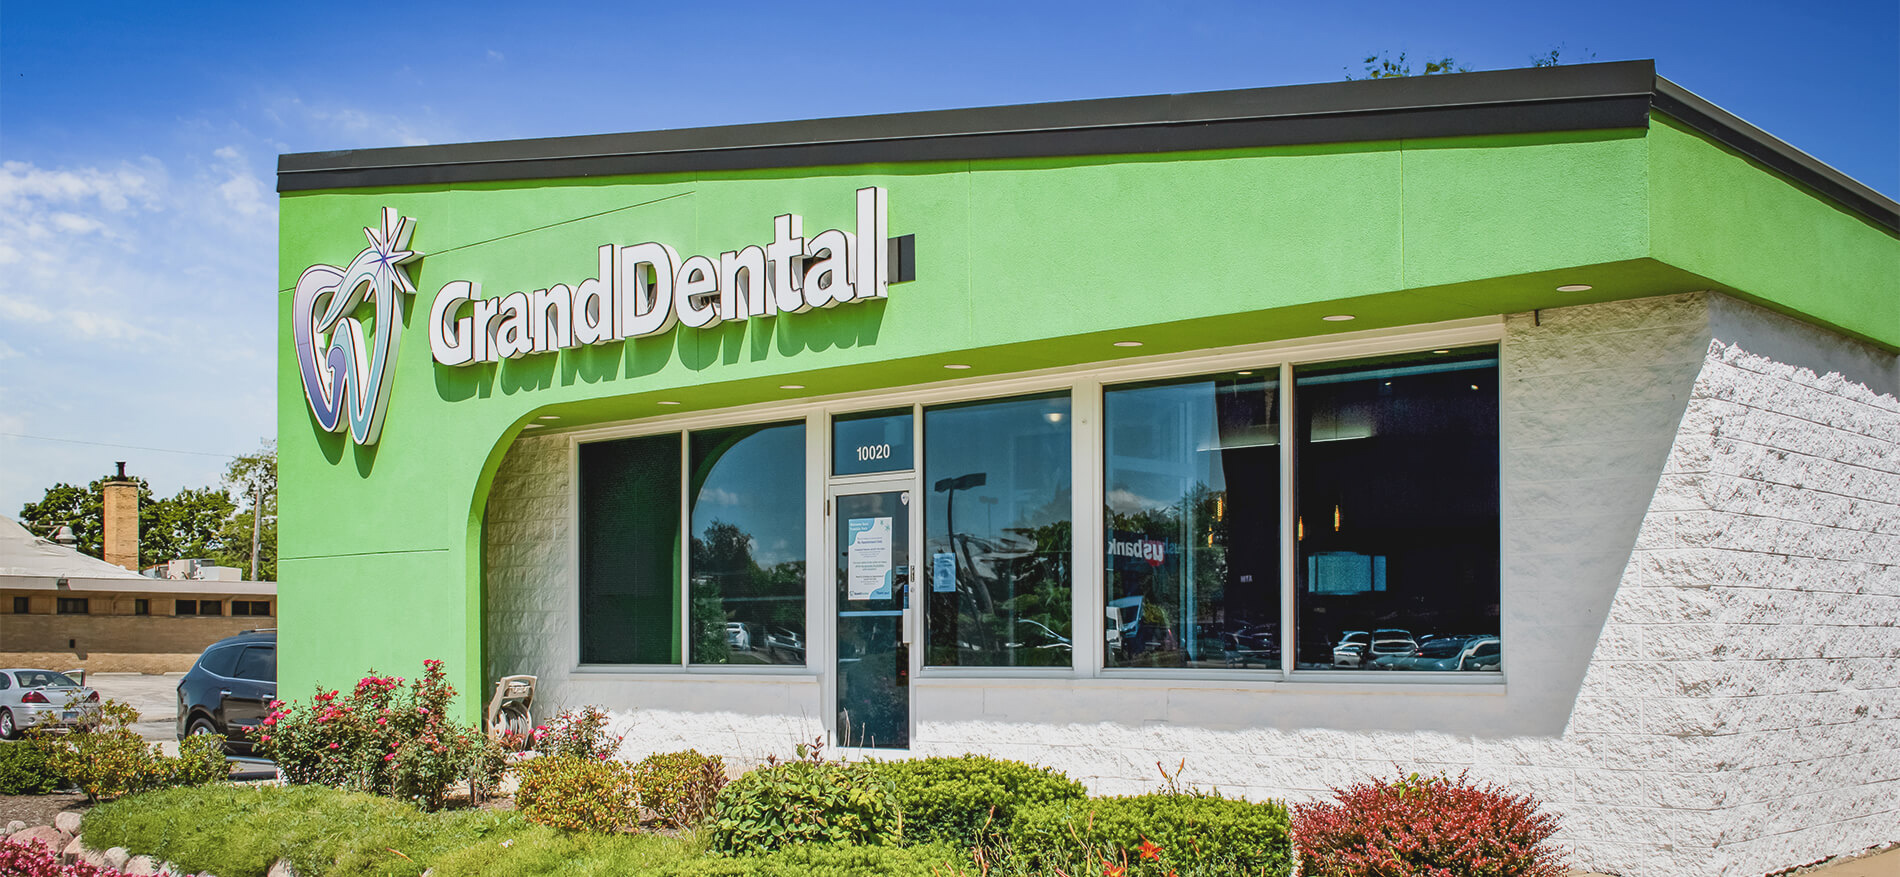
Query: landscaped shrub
pixel 23 771
pixel 22 859
pixel 678 788
pixel 578 733
pixel 805 801
pixel 577 794
pixel 959 800
pixel 834 861
pixel 1189 834
pixel 110 759
pixel 383 739
pixel 1429 827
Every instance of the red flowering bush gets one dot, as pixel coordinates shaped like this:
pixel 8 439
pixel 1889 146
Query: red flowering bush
pixel 28 859
pixel 382 738
pixel 578 733
pixel 1425 827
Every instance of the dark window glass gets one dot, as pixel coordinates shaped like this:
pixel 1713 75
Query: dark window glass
pixel 876 442
pixel 1192 511
pixel 21 606
pixel 6 681
pixel 257 662
pixel 73 606
pixel 630 550
pixel 748 551
pixel 220 661
pixel 997 533
pixel 141 607
pixel 210 607
pixel 1396 490
pixel 250 607
pixel 185 607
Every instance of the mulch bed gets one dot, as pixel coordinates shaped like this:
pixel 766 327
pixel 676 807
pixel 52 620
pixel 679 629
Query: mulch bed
pixel 39 809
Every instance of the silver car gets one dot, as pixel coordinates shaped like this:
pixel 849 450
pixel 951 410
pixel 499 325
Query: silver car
pixel 44 698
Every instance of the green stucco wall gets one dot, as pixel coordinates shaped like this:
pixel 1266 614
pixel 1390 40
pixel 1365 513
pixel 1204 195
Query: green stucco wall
pixel 1020 264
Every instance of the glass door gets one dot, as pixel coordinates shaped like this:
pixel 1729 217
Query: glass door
pixel 871 553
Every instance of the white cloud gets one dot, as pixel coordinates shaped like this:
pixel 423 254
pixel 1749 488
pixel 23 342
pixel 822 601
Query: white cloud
pixel 495 57
pixel 137 307
pixel 343 127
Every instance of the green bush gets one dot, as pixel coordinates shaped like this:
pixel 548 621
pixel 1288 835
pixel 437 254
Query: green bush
pixel 833 861
pixel 678 788
pixel 804 802
pixel 960 800
pixel 576 794
pixel 110 759
pixel 1193 835
pixel 23 770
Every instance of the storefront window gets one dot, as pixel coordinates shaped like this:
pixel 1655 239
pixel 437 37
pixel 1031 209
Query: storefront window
pixel 1192 522
pixel 747 569
pixel 629 547
pixel 998 533
pixel 1397 499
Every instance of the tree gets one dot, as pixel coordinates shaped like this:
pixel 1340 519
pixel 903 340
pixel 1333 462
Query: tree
pixel 250 477
pixel 1384 66
pixel 201 522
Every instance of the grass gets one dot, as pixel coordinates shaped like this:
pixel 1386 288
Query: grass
pixel 238 831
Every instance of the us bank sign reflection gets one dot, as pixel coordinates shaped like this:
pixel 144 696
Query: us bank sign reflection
pixel 637 291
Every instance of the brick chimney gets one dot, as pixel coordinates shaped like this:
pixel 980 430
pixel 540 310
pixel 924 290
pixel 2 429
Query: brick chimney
pixel 122 520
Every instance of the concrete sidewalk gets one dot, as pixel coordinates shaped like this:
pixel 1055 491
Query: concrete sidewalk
pixel 1885 863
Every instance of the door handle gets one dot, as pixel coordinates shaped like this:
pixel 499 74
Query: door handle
pixel 225 691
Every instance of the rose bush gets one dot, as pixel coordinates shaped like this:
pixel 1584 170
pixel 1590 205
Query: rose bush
pixel 382 738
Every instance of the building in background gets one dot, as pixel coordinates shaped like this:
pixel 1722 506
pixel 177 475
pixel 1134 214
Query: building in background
pixel 1536 423
pixel 62 609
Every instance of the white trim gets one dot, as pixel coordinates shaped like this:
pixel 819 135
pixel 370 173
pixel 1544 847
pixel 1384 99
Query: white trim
pixel 1289 528
pixel 1089 598
pixel 887 482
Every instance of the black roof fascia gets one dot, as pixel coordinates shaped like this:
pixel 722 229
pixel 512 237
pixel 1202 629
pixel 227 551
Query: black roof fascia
pixel 1574 98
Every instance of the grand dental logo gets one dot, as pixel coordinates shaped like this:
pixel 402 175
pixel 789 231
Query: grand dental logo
pixel 646 289
pixel 344 374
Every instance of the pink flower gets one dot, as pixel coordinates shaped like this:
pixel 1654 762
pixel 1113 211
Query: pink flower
pixel 390 757
pixel 333 746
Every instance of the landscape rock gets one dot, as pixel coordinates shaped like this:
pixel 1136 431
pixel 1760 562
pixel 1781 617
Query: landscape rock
pixel 72 851
pixel 47 836
pixel 14 827
pixel 141 866
pixel 281 868
pixel 116 857
pixel 92 857
pixel 68 821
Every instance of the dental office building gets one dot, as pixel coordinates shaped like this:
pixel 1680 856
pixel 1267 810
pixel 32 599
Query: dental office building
pixel 1538 423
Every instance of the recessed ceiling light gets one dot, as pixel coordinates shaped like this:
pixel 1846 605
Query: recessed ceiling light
pixel 956 365
pixel 531 426
pixel 668 402
pixel 791 386
pixel 1128 344
pixel 1244 373
pixel 1441 351
pixel 1338 318
pixel 549 417
pixel 1575 287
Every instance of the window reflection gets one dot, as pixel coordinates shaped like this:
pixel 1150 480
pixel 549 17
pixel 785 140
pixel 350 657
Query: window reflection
pixel 996 559
pixel 1192 511
pixel 747 568
pixel 1397 501
pixel 629 498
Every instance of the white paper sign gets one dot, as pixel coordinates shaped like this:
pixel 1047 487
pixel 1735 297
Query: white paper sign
pixel 868 565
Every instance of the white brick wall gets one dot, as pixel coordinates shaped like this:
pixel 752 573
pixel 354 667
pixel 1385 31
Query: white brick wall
pixel 1701 610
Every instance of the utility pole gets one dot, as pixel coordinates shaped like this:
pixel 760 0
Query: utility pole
pixel 257 523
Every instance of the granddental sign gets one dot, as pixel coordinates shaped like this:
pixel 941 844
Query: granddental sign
pixel 646 289
pixel 637 291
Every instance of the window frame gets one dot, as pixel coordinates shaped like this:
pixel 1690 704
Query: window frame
pixel 1085 383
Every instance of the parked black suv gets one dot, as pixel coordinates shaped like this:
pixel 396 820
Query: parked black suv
pixel 230 689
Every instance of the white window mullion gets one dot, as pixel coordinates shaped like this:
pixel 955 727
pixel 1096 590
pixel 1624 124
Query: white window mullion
pixel 1289 525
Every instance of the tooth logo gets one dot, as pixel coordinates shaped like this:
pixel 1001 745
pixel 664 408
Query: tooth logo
pixel 343 373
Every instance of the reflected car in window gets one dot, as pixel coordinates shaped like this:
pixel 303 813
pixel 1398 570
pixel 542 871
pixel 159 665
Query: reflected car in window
pixel 784 646
pixel 738 635
pixel 1391 641
pixel 1350 651
pixel 44 698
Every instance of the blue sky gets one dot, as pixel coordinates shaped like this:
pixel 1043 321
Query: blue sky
pixel 138 141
